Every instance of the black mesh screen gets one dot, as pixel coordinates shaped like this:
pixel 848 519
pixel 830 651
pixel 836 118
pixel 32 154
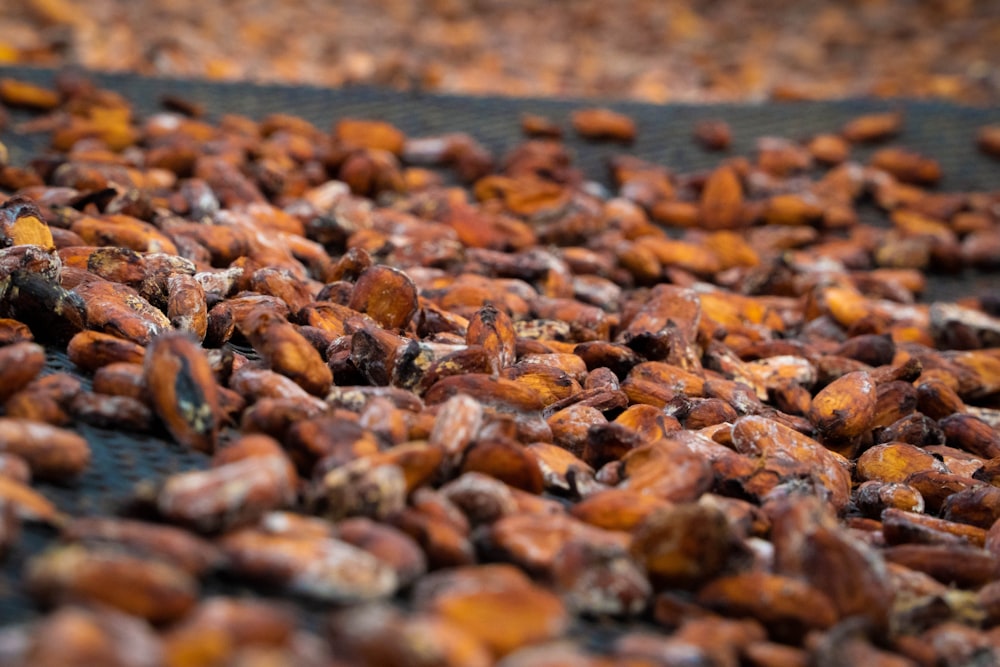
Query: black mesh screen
pixel 122 460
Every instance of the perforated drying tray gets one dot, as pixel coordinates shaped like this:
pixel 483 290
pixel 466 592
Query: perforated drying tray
pixel 121 460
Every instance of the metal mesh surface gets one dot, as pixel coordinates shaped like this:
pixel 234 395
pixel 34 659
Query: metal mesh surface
pixel 121 460
pixel 944 131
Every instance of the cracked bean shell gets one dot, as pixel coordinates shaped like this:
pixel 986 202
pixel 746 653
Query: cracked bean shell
pixel 759 436
pixel 385 294
pixel 182 390
pixel 845 408
pixel 286 350
pixel 894 462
